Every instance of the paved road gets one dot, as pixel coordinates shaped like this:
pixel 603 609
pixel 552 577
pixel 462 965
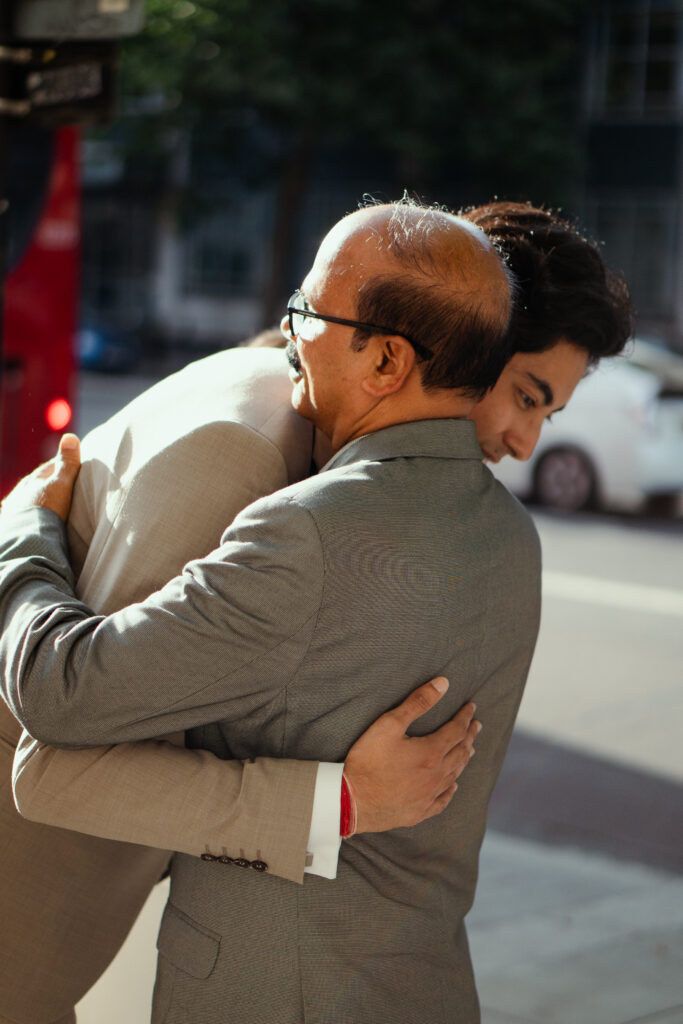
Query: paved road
pixel 617 586
pixel 579 914
pixel 604 702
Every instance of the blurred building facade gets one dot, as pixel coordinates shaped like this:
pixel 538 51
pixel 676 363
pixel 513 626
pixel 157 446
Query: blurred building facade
pixel 199 281
pixel 633 193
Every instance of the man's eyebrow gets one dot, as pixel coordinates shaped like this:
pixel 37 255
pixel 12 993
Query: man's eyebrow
pixel 544 388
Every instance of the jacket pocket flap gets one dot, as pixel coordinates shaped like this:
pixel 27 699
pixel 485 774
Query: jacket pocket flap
pixel 187 944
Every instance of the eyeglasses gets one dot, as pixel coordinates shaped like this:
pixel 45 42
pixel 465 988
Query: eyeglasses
pixel 297 318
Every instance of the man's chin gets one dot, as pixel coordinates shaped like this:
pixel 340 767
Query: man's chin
pixel 301 403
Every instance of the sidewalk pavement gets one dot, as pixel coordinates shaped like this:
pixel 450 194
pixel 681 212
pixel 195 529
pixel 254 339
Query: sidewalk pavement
pixel 559 936
pixel 579 910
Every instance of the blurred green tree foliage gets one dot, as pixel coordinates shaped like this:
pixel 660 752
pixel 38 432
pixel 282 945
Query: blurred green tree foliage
pixel 477 95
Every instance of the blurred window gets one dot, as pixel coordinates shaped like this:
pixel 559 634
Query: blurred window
pixel 639 236
pixel 637 59
pixel 224 252
pixel 118 249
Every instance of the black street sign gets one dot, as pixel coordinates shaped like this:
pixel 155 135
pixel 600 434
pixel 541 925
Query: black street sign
pixel 56 85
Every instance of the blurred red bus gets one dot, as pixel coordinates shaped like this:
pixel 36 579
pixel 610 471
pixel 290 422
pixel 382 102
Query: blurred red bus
pixel 38 381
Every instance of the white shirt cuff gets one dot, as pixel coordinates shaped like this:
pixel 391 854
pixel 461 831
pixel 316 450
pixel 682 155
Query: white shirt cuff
pixel 324 839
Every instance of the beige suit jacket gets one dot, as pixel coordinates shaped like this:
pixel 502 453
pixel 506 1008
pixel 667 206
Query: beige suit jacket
pixel 160 482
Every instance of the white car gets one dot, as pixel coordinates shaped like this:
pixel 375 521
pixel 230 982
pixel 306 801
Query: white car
pixel 649 354
pixel 618 443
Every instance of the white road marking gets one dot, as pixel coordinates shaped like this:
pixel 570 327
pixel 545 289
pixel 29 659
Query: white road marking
pixel 613 593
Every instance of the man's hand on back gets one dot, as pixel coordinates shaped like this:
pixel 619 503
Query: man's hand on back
pixel 400 780
pixel 51 485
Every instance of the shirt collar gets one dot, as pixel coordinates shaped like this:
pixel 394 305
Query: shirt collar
pixel 435 439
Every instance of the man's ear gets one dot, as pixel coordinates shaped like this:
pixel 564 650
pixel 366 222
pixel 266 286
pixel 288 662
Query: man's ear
pixel 393 362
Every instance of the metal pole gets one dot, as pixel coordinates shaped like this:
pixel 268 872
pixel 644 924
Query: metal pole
pixel 6 21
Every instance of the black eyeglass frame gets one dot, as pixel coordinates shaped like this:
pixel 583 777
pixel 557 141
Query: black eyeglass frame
pixel 421 350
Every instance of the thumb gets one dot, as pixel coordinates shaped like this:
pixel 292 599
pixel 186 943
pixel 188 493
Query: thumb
pixel 420 701
pixel 68 459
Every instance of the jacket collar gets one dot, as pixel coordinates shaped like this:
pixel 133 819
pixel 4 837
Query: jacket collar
pixel 435 439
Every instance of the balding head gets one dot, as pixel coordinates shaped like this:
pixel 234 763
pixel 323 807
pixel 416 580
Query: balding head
pixel 403 316
pixel 433 278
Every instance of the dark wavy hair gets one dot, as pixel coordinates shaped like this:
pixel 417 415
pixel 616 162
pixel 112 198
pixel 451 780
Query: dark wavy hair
pixel 564 290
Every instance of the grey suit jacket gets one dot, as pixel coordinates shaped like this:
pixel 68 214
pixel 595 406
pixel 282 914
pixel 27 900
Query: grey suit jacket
pixel 324 603
pixel 160 482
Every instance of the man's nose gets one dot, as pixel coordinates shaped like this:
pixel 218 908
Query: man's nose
pixel 522 441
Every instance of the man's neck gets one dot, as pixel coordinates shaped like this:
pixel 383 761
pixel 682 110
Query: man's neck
pixel 426 405
pixel 322 448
